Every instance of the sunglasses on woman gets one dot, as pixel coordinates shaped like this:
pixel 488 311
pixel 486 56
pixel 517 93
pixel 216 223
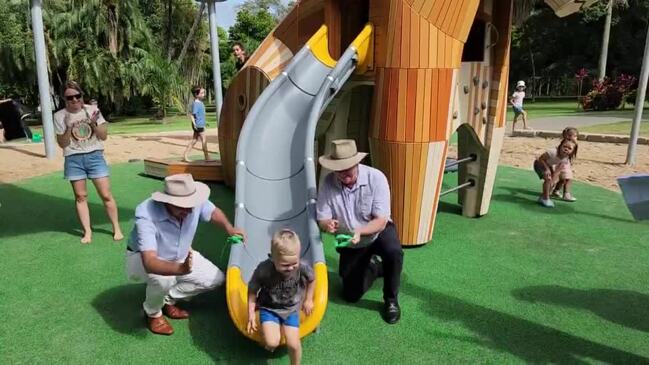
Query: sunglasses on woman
pixel 73 97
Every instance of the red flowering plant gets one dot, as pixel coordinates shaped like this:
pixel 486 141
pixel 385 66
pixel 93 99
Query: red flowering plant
pixel 609 94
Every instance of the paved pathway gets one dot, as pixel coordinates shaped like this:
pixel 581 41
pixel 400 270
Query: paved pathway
pixel 558 123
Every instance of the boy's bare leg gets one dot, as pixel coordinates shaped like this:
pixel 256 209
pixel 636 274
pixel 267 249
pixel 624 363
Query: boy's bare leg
pixel 189 148
pixel 272 335
pixel 204 142
pixel 293 344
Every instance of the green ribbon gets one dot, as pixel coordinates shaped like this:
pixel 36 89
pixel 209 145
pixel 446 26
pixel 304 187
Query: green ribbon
pixel 343 240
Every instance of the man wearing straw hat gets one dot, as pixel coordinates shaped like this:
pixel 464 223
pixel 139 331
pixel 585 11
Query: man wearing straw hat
pixel 160 253
pixel 355 199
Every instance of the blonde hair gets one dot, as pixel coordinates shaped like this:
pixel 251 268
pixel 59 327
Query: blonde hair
pixel 285 242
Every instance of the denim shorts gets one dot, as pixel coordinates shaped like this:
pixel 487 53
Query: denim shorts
pixel 517 109
pixel 266 315
pixel 83 166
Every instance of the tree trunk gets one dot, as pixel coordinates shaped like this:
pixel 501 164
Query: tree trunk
pixel 190 36
pixel 605 37
pixel 533 75
pixel 169 29
pixel 113 14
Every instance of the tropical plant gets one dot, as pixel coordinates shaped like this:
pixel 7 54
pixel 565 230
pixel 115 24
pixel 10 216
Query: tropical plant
pixel 609 94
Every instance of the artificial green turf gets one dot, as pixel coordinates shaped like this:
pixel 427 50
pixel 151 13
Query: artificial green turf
pixel 522 284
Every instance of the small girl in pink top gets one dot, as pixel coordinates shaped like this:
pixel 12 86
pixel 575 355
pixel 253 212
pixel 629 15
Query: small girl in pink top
pixel 571 134
pixel 554 166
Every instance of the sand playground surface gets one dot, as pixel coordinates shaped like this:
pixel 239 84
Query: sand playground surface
pixel 597 163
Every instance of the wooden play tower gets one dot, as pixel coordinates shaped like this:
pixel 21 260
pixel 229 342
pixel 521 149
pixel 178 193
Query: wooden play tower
pixel 439 67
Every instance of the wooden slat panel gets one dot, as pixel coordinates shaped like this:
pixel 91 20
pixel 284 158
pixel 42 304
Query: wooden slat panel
pixel 429 108
pixel 405 36
pixel 433 50
pixel 468 20
pixel 422 83
pixel 408 198
pixel 440 176
pixel 435 12
pixel 444 105
pixel 415 20
pixel 424 43
pixel 417 5
pixel 427 8
pixel 449 52
pixel 416 190
pixel 401 112
pixel 411 105
pixel 441 50
pixel 393 106
pixel 391 34
pixel 432 127
pixel 455 16
pixel 447 10
pixel 401 171
pixel 377 104
pixel 398 27
pixel 394 184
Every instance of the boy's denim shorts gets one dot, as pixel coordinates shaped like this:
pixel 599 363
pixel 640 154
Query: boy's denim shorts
pixel 266 315
pixel 83 166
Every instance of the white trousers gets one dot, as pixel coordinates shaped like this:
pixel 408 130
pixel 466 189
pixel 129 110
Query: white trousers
pixel 163 289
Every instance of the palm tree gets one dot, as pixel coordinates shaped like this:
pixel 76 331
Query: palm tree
pixel 96 42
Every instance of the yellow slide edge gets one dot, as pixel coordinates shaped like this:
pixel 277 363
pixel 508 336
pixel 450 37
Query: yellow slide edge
pixel 236 292
pixel 364 45
pixel 319 45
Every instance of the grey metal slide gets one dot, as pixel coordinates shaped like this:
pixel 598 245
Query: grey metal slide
pixel 275 170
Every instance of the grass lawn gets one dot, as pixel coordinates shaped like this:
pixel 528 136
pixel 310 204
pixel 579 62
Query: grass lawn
pixel 523 284
pixel 623 128
pixel 134 125
pixel 542 109
pixel 539 109
pixel 146 125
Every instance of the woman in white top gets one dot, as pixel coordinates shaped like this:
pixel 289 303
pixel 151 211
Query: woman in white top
pixel 80 130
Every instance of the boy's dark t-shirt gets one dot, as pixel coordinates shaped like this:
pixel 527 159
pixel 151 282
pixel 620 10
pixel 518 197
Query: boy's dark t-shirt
pixel 282 295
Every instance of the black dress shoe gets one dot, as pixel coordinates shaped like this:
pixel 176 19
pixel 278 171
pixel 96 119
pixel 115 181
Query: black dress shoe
pixel 391 312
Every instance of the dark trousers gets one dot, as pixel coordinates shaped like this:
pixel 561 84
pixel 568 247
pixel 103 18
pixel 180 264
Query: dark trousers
pixel 358 274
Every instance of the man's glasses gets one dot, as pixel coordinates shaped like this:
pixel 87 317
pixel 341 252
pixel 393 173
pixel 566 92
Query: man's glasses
pixel 73 97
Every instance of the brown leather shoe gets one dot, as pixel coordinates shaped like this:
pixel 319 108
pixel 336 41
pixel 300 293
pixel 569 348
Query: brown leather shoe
pixel 174 312
pixel 159 326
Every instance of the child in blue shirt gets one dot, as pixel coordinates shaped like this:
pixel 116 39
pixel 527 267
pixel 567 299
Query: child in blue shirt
pixel 198 123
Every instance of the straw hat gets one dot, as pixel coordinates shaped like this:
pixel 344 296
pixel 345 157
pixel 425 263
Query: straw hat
pixel 182 191
pixel 343 156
